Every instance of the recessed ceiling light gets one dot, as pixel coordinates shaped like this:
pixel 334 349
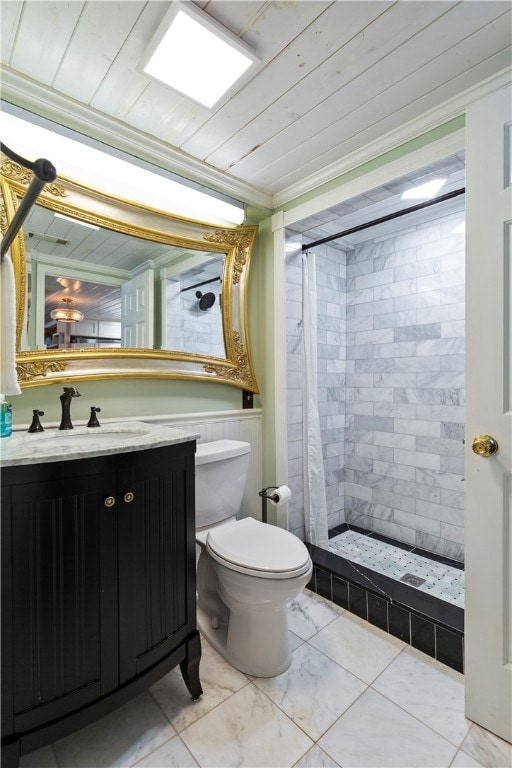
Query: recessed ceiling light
pixel 424 191
pixel 194 55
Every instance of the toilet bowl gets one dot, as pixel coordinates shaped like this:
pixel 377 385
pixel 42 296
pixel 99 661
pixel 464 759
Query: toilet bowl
pixel 247 571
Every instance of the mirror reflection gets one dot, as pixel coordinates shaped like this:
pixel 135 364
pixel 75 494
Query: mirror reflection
pixel 91 287
pixel 107 287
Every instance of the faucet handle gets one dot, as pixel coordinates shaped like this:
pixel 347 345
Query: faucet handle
pixel 93 420
pixel 36 425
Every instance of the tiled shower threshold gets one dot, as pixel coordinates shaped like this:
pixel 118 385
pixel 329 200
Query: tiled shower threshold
pixel 417 617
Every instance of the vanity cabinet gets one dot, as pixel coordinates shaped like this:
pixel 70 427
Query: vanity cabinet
pixel 98 588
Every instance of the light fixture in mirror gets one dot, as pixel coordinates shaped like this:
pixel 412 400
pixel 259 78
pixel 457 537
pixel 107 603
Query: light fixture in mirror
pixel 135 252
pixel 66 314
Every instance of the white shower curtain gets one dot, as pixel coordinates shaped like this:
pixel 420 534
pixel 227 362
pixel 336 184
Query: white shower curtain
pixel 315 503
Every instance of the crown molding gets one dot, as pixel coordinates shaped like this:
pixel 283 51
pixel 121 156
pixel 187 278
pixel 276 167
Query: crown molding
pixel 427 121
pixel 34 97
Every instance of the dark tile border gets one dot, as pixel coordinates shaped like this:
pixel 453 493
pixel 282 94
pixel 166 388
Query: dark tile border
pixel 423 621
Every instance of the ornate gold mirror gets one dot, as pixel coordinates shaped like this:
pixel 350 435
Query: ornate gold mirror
pixel 109 288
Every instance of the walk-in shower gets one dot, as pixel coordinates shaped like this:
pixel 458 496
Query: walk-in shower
pixel 390 394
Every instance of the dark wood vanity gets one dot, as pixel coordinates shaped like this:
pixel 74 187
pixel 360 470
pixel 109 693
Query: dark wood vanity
pixel 98 588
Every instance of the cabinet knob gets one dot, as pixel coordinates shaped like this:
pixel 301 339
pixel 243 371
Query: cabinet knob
pixel 109 501
pixel 128 497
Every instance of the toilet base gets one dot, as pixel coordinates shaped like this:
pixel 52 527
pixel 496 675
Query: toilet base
pixel 258 657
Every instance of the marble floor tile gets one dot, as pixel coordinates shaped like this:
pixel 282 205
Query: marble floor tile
pixel 462 760
pixel 359 647
pixel 41 758
pixel 418 684
pixel 316 758
pixel 489 749
pixel 172 754
pixel 294 640
pixel 375 732
pixel 246 730
pixel 314 691
pixel 219 680
pixel 119 739
pixel 308 613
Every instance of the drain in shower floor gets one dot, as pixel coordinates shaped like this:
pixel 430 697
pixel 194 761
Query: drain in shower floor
pixel 410 578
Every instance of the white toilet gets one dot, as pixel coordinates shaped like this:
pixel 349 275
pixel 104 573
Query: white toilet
pixel 247 571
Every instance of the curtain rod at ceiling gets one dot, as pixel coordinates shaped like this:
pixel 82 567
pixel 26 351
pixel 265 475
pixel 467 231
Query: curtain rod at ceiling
pixel 205 282
pixel 388 217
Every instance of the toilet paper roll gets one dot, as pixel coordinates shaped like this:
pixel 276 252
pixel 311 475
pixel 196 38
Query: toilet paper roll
pixel 280 495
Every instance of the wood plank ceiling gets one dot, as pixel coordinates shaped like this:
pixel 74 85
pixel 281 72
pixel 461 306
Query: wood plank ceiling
pixel 334 76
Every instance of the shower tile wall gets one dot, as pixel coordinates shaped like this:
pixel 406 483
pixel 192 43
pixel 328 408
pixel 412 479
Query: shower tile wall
pixel 188 328
pixel 331 294
pixel 393 332
pixel 405 386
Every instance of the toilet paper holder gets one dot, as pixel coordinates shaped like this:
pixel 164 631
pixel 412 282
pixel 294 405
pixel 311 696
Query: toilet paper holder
pixel 280 494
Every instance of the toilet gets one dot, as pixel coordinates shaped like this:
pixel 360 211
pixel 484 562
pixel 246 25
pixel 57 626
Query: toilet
pixel 247 571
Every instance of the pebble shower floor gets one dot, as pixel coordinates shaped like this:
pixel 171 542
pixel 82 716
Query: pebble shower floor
pixel 439 579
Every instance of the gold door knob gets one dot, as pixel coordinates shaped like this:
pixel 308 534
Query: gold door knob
pixel 128 497
pixel 109 501
pixel 484 445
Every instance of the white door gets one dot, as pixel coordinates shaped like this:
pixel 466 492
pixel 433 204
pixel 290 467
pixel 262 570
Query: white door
pixel 488 524
pixel 137 311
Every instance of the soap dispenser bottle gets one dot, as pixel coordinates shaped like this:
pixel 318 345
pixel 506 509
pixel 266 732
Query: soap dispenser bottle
pixel 5 417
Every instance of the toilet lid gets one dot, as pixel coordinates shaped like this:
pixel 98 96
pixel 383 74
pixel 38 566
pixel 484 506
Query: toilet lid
pixel 255 546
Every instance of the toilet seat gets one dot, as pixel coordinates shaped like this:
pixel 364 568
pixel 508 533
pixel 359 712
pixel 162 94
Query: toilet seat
pixel 258 549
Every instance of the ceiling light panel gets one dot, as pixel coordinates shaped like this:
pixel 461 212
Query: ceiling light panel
pixel 195 56
pixel 424 191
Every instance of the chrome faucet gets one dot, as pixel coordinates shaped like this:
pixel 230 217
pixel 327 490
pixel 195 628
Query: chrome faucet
pixel 65 400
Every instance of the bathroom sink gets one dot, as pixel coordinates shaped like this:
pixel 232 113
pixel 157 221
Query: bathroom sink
pixel 103 434
pixel 80 442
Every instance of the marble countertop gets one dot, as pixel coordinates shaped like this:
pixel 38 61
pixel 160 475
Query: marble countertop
pixel 84 442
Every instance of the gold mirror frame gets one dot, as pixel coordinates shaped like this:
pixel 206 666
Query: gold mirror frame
pixel 73 199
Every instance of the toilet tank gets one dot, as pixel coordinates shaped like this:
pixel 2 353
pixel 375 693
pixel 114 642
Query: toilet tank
pixel 221 472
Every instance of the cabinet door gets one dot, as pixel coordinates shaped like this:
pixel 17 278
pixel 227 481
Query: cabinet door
pixel 156 558
pixel 63 592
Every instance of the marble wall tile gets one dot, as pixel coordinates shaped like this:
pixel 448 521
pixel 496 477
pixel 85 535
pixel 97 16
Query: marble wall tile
pixel 448 480
pixel 417 301
pixel 441 413
pixel 452 515
pixel 377 307
pixel 453 363
pixel 418 332
pixel 418 459
pixel 444 446
pixel 452 464
pixel 394 500
pixel 394 470
pixel 395 319
pixel 442 313
pixel 419 364
pixel 417 522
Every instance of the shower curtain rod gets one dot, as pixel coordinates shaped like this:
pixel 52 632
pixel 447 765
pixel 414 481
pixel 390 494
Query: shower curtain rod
pixel 205 282
pixel 43 172
pixel 389 217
